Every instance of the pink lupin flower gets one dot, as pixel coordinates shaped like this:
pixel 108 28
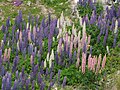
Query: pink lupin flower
pixel 78 51
pixel 98 64
pixel 83 62
pixel 66 39
pixel 104 61
pixel 32 59
pixel 9 51
pixel 71 47
pixel 78 62
pixel 89 37
pixel 94 63
pixel 59 49
pixel 89 61
pixel 29 35
pixel 20 36
pixel 34 31
pixel 5 55
pixel 75 42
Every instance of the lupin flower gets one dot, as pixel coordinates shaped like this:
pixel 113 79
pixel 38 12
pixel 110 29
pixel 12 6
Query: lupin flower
pixel 52 55
pixel 33 85
pixel 108 50
pixel 3 83
pixel 83 62
pixel 64 82
pixel 98 64
pixel 17 2
pixel 89 61
pixel 8 85
pixel 8 22
pixel 93 18
pixel 32 59
pixel 78 62
pixel 59 72
pixel 0 56
pixel 8 54
pixel 88 41
pixel 5 55
pixel 3 28
pixel 116 26
pixel 45 63
pixel 103 61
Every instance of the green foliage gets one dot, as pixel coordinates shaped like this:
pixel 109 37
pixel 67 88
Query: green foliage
pixel 76 77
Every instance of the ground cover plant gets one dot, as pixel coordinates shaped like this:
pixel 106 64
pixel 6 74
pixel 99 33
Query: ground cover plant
pixel 54 53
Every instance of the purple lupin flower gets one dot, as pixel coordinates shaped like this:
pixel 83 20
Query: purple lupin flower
pixel 93 18
pixel 49 43
pixel 56 58
pixel 27 84
pixel 15 85
pixel 2 73
pixel 4 40
pixel 90 50
pixel 15 62
pixel 46 73
pixel 3 83
pixel 8 22
pixel 64 82
pixel 42 86
pixel 17 2
pixel 3 28
pixel 84 49
pixel 39 78
pixel 98 38
pixel 51 76
pixel 33 85
pixel 59 72
pixel 17 73
pixel 0 56
pixel 8 85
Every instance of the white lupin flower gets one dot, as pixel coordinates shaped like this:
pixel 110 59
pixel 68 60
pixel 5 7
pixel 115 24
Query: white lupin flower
pixel 58 23
pixel 84 28
pixel 47 57
pixel 43 43
pixel 74 30
pixel 64 26
pixel 18 45
pixel 45 63
pixel 52 55
pixel 35 50
pixel 108 50
pixel 53 39
pixel 8 43
pixel 80 20
pixel 20 35
pixel 116 26
pixel 50 63
pixel 62 46
pixel 18 31
pixel 79 35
